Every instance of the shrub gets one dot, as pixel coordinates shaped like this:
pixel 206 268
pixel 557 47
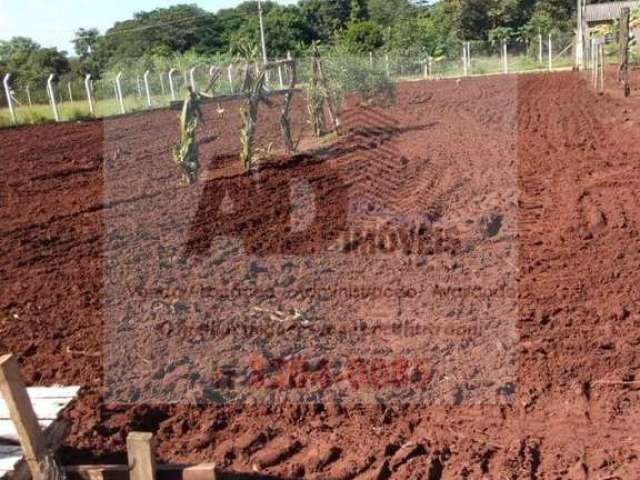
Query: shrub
pixel 348 74
pixel 362 37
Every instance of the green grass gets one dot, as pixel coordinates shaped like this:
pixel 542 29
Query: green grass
pixel 78 110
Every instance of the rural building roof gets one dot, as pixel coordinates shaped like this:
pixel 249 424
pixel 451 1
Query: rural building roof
pixel 606 12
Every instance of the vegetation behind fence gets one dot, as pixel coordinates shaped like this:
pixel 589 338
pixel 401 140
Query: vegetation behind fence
pixel 348 72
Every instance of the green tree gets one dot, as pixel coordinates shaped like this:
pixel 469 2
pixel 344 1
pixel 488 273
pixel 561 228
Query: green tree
pixel 362 37
pixel 28 62
pixel 386 12
pixel 179 28
pixel 287 30
pixel 326 17
pixel 436 28
pixel 86 46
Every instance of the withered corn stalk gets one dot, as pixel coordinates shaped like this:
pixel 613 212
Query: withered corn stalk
pixel 186 153
pixel 284 117
pixel 254 85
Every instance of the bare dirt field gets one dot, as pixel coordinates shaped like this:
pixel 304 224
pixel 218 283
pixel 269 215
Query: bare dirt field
pixel 449 290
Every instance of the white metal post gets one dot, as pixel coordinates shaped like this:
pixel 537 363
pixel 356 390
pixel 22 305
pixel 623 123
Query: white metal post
pixel 540 48
pixel 146 87
pixel 280 77
pixel 579 45
pixel 469 57
pixel 119 90
pixel 162 89
pixel 505 53
pixel 602 62
pixel 7 91
pixel 464 60
pixel 594 64
pixel 52 97
pixel 192 78
pixel 550 53
pixel 87 87
pixel 70 92
pixel 171 87
pixel 230 75
pixel 371 59
pixel 386 59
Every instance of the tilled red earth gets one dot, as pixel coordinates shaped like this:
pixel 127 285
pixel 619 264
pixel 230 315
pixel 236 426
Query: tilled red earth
pixel 448 291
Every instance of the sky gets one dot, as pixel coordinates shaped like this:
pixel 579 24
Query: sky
pixel 52 23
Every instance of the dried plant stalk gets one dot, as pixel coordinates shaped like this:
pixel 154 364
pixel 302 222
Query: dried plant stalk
pixel 186 153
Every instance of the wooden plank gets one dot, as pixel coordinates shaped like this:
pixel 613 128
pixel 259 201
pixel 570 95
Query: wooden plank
pixel 47 403
pixel 34 445
pixel 119 472
pixel 624 50
pixel 9 457
pixel 8 463
pixel 206 471
pixel 140 454
pixel 9 433
pixel 44 408
pixel 54 391
pixel 54 435
pixel 24 418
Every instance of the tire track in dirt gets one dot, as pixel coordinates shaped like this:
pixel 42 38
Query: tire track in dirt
pixel 574 330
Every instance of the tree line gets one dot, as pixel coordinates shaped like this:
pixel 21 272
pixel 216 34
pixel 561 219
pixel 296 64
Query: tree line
pixel 186 33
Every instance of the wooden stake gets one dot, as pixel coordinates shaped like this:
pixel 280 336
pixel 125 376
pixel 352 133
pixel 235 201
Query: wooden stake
pixel 40 461
pixel 623 72
pixel 142 463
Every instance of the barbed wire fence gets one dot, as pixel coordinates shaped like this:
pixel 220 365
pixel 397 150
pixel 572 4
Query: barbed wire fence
pixel 72 98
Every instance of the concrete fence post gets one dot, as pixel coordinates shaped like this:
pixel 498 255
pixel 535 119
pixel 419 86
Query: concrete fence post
pixel 550 53
pixel 87 87
pixel 230 76
pixel 465 69
pixel 505 53
pixel 7 91
pixel 172 89
pixel 119 91
pixel 192 78
pixel 602 64
pixel 540 48
pixel 70 92
pixel 146 87
pixel 28 92
pixel 280 77
pixel 52 98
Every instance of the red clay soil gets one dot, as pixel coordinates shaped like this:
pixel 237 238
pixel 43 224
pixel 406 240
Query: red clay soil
pixel 450 290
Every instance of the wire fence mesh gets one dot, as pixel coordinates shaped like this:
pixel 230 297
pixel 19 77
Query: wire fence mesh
pixel 135 91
